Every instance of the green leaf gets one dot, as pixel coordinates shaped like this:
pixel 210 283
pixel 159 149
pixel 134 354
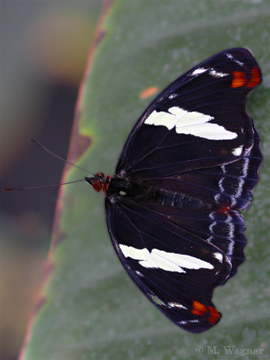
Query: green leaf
pixel 89 307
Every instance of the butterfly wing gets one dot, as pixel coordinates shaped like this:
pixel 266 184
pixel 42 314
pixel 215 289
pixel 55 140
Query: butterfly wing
pixel 196 122
pixel 197 151
pixel 220 193
pixel 174 268
pixel 178 255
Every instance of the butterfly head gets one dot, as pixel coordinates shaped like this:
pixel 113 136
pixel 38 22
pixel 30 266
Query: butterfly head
pixel 99 182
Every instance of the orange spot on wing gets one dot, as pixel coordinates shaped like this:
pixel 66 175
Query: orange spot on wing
pixel 239 79
pixel 148 92
pixel 256 78
pixel 215 315
pixel 224 209
pixel 198 308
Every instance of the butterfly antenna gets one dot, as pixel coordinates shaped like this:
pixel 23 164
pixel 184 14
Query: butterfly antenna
pixel 42 186
pixel 59 157
pixel 51 185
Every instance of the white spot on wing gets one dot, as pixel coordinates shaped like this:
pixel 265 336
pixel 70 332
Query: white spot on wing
pixel 217 74
pixel 220 184
pixel 161 118
pixel 245 167
pixel 230 227
pixel 229 56
pixel 198 71
pixel 217 198
pixel 218 256
pixel 240 181
pixel 190 123
pixel 183 322
pixel 172 96
pixel 133 253
pixel 238 151
pixel 177 305
pixel 230 235
pixel 164 260
pixel 211 226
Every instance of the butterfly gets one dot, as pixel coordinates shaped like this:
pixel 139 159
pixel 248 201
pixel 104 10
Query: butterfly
pixel 184 176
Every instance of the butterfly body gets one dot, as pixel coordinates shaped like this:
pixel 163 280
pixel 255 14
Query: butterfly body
pixel 186 171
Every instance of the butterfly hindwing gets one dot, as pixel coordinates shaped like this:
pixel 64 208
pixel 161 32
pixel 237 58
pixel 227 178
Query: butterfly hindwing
pixel 175 269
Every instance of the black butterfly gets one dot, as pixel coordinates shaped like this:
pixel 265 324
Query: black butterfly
pixel 186 171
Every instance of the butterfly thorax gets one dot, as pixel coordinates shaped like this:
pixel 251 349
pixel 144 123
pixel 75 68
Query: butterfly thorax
pixel 140 192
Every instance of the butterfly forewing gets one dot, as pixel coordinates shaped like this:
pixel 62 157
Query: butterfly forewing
pixel 187 168
pixel 198 121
